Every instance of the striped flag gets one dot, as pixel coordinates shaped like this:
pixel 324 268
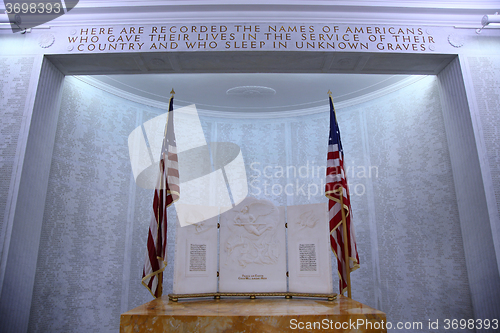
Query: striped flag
pixel 336 182
pixel 166 192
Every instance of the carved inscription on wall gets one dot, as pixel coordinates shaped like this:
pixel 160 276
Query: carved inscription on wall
pixel 251 36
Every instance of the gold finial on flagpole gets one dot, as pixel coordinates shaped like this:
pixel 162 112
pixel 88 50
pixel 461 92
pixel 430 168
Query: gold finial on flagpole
pixel 329 93
pixel 172 92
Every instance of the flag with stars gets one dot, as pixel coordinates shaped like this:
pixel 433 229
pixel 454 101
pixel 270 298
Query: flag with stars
pixel 336 183
pixel 166 193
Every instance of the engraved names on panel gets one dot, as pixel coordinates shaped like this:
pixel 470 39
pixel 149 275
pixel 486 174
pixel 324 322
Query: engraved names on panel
pixel 197 257
pixel 195 269
pixel 309 262
pixel 487 88
pixel 307 257
pixel 82 241
pixel 14 84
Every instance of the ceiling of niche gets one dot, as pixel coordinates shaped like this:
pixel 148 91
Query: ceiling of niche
pixel 249 92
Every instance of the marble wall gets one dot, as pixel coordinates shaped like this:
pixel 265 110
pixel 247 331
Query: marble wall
pixel 416 229
pixel 82 279
pixel 14 101
pixel 15 104
pixel 30 114
pixel 484 93
pixel 486 86
pixel 92 245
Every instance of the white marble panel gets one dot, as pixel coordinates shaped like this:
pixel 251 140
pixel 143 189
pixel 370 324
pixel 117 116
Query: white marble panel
pixel 195 269
pixel 309 262
pixel 252 248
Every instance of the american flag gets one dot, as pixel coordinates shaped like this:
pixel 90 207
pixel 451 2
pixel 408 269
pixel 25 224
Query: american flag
pixel 336 182
pixel 166 192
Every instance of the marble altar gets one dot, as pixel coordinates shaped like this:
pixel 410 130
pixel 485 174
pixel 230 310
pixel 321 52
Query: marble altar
pixel 257 315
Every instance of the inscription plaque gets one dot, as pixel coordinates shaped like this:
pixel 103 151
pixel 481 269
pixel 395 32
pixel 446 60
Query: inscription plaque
pixel 197 257
pixel 309 258
pixel 307 255
pixel 195 268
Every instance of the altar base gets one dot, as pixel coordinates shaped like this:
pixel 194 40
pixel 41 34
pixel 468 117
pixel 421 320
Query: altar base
pixel 253 315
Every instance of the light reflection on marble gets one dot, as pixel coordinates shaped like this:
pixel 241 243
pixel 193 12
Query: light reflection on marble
pixel 246 315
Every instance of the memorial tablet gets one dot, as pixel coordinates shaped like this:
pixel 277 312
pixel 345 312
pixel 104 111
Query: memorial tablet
pixel 309 258
pixel 252 248
pixel 195 269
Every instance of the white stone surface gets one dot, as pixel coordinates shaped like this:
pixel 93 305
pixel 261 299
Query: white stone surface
pixel 309 263
pixel 195 268
pixel 252 248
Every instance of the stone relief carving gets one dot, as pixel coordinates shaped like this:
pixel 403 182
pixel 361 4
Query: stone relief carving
pixel 307 219
pixel 195 219
pixel 253 234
